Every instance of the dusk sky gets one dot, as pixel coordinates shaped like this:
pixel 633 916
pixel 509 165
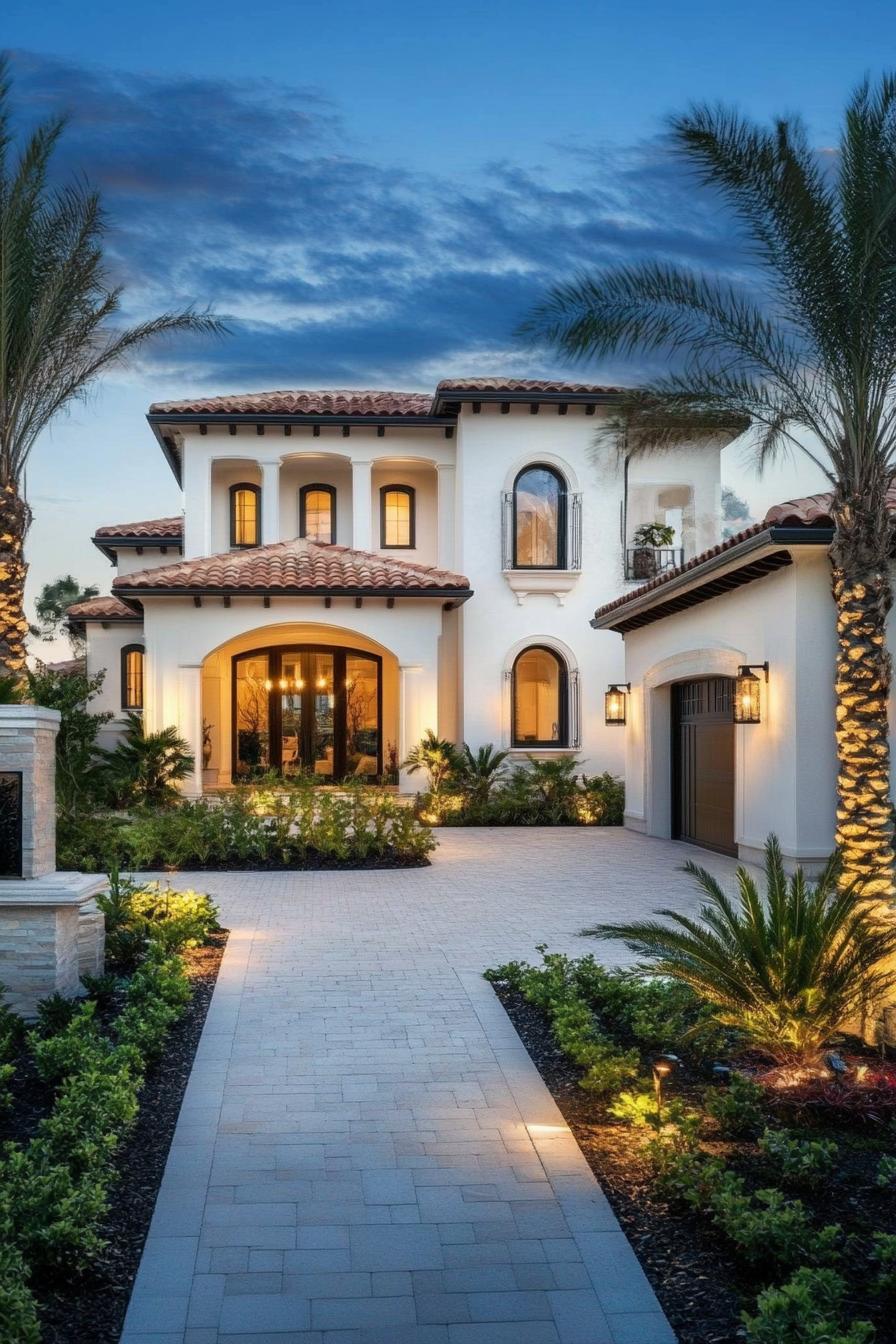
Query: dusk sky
pixel 372 195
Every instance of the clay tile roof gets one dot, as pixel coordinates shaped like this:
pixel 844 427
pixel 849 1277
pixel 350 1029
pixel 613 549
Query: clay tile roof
pixel 337 403
pixel 102 609
pixel 69 667
pixel 522 386
pixel 161 528
pixel 299 567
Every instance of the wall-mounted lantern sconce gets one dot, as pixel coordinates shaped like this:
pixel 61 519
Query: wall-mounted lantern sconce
pixel 615 703
pixel 747 702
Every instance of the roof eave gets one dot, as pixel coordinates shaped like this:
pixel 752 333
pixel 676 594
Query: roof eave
pixel 771 538
pixel 110 546
pixel 460 394
pixel 457 596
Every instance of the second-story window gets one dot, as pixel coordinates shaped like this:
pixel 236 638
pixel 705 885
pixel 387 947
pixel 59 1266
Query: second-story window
pixel 397 522
pixel 317 513
pixel 539 519
pixel 245 515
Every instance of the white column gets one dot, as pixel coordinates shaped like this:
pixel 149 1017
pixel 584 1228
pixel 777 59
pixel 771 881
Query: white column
pixel 446 475
pixel 197 477
pixel 410 721
pixel 270 502
pixel 362 505
pixel 189 723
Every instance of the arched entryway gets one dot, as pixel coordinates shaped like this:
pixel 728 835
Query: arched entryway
pixel 313 709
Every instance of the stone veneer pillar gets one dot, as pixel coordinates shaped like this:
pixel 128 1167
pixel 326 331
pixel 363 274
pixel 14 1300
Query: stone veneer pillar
pixel 51 932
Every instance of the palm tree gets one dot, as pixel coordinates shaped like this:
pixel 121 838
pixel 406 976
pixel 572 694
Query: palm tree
pixel 785 967
pixel 56 336
pixel 806 355
pixel 482 771
pixel 437 757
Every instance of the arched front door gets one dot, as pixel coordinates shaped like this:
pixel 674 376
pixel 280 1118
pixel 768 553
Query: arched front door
pixel 703 763
pixel 310 709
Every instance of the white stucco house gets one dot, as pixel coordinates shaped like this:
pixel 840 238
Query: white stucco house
pixel 353 568
pixel 760 601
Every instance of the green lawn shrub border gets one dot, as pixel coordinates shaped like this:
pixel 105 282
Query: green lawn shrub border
pixel 54 1189
pixel 595 1015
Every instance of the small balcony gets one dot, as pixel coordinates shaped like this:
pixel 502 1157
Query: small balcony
pixel 648 562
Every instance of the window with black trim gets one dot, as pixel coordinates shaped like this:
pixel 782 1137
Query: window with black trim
pixel 397 517
pixel 317 513
pixel 539 699
pixel 132 662
pixel 245 515
pixel 539 519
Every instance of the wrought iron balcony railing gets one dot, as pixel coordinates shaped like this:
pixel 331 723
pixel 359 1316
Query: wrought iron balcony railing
pixel 647 562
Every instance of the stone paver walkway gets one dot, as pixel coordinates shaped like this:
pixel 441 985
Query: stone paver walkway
pixel 366 1154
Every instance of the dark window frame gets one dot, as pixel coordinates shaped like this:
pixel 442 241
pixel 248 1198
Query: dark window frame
pixel 562 515
pixel 256 491
pixel 561 742
pixel 411 493
pixel 274 654
pixel 127 649
pixel 304 492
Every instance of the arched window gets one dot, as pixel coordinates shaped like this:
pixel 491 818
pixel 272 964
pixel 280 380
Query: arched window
pixel 132 656
pixel 539 519
pixel 397 520
pixel 539 705
pixel 317 512
pixel 245 515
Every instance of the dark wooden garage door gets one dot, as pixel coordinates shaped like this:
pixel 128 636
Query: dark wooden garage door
pixel 703 763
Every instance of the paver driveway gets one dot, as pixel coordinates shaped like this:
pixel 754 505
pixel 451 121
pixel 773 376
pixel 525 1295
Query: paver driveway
pixel 365 1153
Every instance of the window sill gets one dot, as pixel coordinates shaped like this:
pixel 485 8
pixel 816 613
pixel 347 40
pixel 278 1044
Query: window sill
pixel 539 752
pixel 557 582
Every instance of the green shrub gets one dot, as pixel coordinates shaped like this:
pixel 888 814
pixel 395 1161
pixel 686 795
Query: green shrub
pixel 604 797
pixel 768 1228
pixel 18 1310
pixel 785 966
pixel 885 1177
pixel 71 692
pixel 54 1215
pixel 807 1309
pixel 54 1013
pixel 74 1049
pixel 796 1161
pixel 883 1255
pixel 145 768
pixel 738 1108
pixel 102 988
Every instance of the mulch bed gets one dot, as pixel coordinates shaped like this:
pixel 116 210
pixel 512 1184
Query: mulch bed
pixel 315 863
pixel 93 1308
pixel 700 1286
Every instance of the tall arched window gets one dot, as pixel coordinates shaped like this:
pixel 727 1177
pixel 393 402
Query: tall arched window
pixel 132 657
pixel 397 521
pixel 539 519
pixel 245 515
pixel 317 512
pixel 540 701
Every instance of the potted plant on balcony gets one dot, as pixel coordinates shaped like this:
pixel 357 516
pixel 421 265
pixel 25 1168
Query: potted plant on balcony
pixel 648 539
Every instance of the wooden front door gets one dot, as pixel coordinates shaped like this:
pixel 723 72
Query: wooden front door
pixel 703 763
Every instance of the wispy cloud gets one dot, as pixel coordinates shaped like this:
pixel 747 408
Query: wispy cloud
pixel 330 267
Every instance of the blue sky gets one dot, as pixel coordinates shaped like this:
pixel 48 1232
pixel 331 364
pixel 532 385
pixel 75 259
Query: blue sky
pixel 372 194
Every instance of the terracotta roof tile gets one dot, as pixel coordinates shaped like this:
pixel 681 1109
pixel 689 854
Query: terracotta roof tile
pixel 298 566
pixel 812 511
pixel 522 385
pixel 102 609
pixel 163 528
pixel 337 402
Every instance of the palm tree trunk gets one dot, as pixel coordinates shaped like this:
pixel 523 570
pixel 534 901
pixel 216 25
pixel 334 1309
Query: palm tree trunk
pixel 863 595
pixel 14 519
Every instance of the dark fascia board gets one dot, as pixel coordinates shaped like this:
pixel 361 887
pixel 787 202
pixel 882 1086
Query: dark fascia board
pixel 727 559
pixel 454 396
pixel 157 421
pixel 110 546
pixel 457 596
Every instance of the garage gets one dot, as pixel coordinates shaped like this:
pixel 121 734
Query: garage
pixel 703 763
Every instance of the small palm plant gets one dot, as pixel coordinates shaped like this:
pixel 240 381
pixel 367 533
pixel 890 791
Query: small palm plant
pixel 481 772
pixel 145 767
pixel 438 757
pixel 785 968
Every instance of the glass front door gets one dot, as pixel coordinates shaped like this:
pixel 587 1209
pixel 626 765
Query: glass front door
pixel 313 711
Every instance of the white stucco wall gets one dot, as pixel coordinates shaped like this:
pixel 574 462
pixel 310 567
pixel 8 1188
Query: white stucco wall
pixel 785 766
pixel 492 449
pixel 104 645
